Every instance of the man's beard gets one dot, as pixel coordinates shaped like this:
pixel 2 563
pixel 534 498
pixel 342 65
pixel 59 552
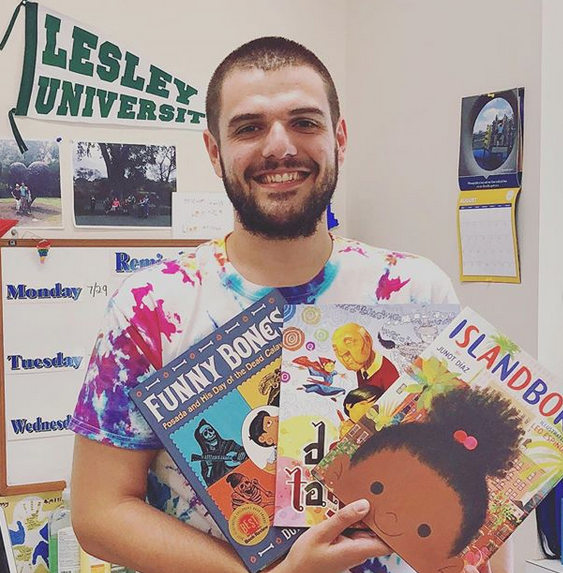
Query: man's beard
pixel 302 223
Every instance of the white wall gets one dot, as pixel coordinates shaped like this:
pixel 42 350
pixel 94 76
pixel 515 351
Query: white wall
pixel 189 39
pixel 409 65
pixel 550 320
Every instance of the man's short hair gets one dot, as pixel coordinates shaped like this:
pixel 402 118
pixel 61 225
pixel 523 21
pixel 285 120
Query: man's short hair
pixel 269 53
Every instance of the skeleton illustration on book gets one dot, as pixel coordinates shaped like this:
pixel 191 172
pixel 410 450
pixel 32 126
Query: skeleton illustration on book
pixel 246 490
pixel 218 455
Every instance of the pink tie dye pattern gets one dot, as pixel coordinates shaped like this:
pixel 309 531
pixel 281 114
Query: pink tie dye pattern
pixel 386 286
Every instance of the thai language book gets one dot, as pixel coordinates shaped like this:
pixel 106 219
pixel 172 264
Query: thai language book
pixel 336 361
pixel 215 408
pixel 457 452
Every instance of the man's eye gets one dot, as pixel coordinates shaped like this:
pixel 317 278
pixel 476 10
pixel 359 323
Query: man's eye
pixel 424 530
pixel 305 124
pixel 376 488
pixel 246 129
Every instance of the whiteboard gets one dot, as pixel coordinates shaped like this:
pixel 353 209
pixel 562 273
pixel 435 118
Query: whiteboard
pixel 51 315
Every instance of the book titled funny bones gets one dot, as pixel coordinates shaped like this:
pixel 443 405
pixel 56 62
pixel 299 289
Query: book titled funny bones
pixel 215 409
pixel 457 452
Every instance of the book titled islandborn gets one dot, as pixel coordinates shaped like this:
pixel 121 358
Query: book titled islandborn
pixel 457 452
pixel 337 360
pixel 215 409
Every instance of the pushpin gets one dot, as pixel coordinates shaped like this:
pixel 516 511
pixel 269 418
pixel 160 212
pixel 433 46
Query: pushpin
pixel 43 247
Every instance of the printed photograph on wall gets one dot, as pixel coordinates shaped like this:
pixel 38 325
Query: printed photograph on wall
pixel 123 185
pixel 30 184
pixel 491 140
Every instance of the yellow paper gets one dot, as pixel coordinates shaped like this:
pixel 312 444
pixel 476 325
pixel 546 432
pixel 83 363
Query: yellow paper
pixel 487 241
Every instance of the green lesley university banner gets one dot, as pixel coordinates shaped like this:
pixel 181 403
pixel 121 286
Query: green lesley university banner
pixel 71 73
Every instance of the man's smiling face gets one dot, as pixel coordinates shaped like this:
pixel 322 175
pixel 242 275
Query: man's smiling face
pixel 278 153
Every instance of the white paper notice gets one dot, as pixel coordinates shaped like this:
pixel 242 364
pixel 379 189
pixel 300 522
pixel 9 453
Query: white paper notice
pixel 201 215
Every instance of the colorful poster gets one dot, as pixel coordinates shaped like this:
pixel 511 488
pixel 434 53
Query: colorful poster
pixel 30 184
pixel 123 185
pixel 7 561
pixel 27 517
pixel 73 73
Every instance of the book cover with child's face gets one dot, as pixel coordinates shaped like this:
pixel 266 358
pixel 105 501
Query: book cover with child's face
pixel 457 452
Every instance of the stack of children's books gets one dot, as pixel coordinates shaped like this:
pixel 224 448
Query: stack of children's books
pixel 287 412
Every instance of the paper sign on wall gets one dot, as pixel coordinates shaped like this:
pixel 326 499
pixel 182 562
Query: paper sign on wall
pixel 201 215
pixel 488 249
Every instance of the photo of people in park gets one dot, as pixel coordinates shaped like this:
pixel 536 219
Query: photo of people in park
pixel 123 185
pixel 30 184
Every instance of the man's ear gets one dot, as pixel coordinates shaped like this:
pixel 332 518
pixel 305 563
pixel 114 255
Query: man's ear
pixel 341 134
pixel 213 151
pixel 333 473
pixel 452 565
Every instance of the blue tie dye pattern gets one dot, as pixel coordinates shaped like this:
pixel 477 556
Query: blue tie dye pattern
pixel 370 566
pixel 309 292
pixel 158 493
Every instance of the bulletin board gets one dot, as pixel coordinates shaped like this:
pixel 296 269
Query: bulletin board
pixel 50 313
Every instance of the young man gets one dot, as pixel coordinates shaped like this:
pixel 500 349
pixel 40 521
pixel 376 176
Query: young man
pixel 276 138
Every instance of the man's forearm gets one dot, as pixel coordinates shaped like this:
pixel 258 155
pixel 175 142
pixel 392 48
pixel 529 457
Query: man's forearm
pixel 145 539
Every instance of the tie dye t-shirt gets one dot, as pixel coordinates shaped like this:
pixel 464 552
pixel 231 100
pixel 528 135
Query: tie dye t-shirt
pixel 161 311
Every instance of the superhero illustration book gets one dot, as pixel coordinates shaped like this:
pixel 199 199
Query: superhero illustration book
pixel 215 408
pixel 477 425
pixel 336 361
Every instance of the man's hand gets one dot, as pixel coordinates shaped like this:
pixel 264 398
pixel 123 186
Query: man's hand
pixel 325 549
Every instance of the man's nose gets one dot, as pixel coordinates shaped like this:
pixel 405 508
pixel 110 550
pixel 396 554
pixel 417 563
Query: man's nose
pixel 278 142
